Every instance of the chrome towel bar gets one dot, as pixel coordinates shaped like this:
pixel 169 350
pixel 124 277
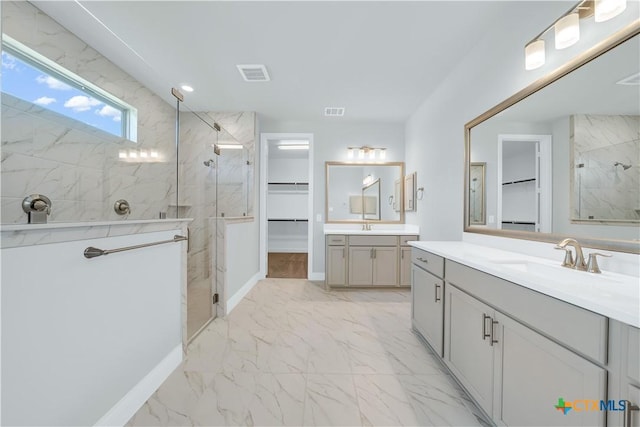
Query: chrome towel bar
pixel 92 252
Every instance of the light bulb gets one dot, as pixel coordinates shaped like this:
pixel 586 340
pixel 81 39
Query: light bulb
pixel 567 30
pixel 361 153
pixel 350 153
pixel 122 154
pixel 383 153
pixel 534 55
pixel 372 154
pixel 607 9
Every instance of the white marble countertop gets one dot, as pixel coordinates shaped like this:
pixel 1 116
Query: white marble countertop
pixel 59 225
pixel 613 295
pixel 376 229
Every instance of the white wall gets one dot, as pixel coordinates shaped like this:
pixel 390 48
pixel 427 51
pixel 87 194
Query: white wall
pixel 331 139
pixel 490 73
pixel 78 334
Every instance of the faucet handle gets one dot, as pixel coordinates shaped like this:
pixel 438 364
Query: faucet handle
pixel 568 257
pixel 592 264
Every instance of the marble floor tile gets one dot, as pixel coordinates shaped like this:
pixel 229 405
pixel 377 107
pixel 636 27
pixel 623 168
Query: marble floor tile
pixel 330 400
pixel 292 353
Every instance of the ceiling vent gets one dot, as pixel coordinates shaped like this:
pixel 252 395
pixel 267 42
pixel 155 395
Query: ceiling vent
pixel 254 73
pixel 633 80
pixel 334 111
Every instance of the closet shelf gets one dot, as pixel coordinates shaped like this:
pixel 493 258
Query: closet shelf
pixel 520 181
pixel 519 222
pixel 289 219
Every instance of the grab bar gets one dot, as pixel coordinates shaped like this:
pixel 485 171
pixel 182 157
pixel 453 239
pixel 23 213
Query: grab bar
pixel 92 252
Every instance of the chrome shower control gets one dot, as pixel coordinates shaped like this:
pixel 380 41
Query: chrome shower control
pixel 37 207
pixel 122 207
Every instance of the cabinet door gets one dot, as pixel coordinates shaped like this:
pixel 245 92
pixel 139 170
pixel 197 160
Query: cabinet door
pixel 428 309
pixel 360 265
pixel 468 350
pixel 633 399
pixel 405 266
pixel 533 373
pixel 385 266
pixel 336 266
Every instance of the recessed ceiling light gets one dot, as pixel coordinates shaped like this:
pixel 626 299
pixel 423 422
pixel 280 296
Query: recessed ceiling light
pixel 294 147
pixel 254 72
pixel 186 88
pixel 334 111
pixel 230 146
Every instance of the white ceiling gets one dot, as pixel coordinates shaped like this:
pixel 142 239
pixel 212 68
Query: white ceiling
pixel 379 60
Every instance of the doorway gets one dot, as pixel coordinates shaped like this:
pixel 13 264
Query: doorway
pixel 524 183
pixel 286 239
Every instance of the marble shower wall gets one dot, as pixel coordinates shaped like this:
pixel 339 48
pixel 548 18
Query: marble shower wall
pixel 75 165
pixel 602 190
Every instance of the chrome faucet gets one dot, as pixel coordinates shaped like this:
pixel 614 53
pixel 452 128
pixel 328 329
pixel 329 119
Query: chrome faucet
pixel 366 226
pixel 579 263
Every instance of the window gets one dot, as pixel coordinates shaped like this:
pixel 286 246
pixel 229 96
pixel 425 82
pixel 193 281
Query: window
pixel 31 77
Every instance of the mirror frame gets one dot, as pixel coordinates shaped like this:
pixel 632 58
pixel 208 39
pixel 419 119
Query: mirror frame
pixel 594 52
pixel 361 221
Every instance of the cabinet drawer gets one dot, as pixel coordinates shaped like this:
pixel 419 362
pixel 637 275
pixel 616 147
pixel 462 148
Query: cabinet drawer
pixel 336 240
pixel 569 325
pixel 405 239
pixel 430 262
pixel 373 240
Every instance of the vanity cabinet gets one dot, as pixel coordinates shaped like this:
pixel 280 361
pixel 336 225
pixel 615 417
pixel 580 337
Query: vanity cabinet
pixel 367 260
pixel 336 261
pixel 427 308
pixel 517 351
pixel 624 385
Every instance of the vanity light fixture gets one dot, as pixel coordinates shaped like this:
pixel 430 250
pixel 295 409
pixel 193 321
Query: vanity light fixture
pixel 607 9
pixel 567 28
pixel 366 152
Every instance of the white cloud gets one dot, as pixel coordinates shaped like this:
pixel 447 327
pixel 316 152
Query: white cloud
pixel 52 82
pixel 44 100
pixel 81 103
pixel 8 62
pixel 109 111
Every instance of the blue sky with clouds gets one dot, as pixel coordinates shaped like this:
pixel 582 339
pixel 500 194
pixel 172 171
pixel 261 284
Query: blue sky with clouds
pixel 26 82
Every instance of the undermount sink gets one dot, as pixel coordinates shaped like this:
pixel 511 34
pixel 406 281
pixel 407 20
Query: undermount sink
pixel 553 272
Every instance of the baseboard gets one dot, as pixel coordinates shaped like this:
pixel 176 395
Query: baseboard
pixel 126 408
pixel 316 276
pixel 235 299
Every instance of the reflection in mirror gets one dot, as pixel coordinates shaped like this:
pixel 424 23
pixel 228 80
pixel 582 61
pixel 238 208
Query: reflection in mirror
pixel 580 135
pixel 371 201
pixel 476 193
pixel 349 185
pixel 410 192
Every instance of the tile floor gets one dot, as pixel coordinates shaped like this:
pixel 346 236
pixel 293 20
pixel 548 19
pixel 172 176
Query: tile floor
pixel 293 354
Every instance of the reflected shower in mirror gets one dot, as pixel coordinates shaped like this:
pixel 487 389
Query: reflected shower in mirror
pixel 476 193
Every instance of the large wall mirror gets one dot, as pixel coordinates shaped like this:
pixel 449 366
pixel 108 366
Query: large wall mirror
pixel 364 192
pixel 562 157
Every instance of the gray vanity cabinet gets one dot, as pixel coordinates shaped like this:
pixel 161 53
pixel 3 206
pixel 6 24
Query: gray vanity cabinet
pixel 368 260
pixel 624 385
pixel 373 266
pixel 468 347
pixel 336 260
pixel 532 372
pixel 427 307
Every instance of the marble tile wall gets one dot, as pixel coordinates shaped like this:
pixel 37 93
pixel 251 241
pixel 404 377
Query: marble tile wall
pixel 606 191
pixel 73 164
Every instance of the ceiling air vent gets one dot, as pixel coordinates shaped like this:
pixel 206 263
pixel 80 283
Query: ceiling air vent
pixel 334 111
pixel 633 80
pixel 254 73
